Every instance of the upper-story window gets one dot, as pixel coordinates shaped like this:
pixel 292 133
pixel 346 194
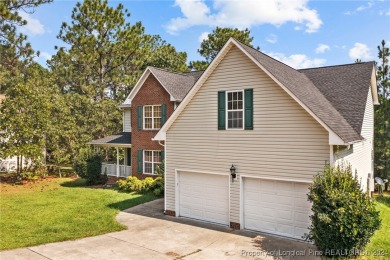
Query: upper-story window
pixel 152 117
pixel 235 109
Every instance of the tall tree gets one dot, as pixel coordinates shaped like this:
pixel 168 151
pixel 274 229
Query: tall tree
pixel 107 54
pixel 25 115
pixel 104 57
pixel 214 42
pixel 13 45
pixel 382 114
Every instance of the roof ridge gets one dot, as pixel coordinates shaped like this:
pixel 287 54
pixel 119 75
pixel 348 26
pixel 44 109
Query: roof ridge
pixel 339 65
pixel 265 54
pixel 175 72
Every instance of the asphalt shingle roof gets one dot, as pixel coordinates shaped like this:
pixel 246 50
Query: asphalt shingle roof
pixel 120 138
pixel 346 87
pixel 318 91
pixel 177 84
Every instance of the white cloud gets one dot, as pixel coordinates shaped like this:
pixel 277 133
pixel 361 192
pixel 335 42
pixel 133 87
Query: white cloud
pixel 272 38
pixel 45 55
pixel 244 14
pixel 360 51
pixel 33 26
pixel 360 8
pixel 298 61
pixel 203 36
pixel 322 48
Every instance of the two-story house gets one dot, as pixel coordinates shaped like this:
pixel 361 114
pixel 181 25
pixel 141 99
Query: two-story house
pixel 246 141
pixel 150 103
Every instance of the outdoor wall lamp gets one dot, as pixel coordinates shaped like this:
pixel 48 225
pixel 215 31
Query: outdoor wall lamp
pixel 233 172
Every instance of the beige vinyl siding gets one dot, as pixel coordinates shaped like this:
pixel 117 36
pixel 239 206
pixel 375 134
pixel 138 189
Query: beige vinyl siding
pixel 127 120
pixel 360 156
pixel 286 143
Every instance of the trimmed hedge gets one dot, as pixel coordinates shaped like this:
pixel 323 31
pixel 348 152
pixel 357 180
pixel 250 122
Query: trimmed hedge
pixel 344 217
pixel 133 184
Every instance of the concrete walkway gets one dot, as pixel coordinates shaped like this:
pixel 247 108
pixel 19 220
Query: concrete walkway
pixel 152 235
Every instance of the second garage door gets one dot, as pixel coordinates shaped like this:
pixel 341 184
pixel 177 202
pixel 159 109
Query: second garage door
pixel 204 197
pixel 276 207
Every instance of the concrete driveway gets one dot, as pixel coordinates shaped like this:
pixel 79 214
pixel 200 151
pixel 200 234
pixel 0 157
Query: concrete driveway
pixel 152 235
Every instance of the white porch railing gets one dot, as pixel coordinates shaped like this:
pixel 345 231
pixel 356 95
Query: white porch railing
pixel 111 169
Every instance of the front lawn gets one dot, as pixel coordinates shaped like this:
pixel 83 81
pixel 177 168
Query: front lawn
pixel 59 209
pixel 380 242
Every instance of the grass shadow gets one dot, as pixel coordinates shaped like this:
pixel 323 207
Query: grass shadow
pixel 76 183
pixel 139 199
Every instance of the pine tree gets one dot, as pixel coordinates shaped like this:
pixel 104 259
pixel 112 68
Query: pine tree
pixel 382 115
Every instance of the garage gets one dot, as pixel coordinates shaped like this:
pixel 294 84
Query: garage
pixel 204 196
pixel 276 207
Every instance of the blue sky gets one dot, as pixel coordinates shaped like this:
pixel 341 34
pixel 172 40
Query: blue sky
pixel 298 32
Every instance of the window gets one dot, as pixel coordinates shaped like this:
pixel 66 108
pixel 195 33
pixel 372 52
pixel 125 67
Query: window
pixel 151 160
pixel 152 117
pixel 235 109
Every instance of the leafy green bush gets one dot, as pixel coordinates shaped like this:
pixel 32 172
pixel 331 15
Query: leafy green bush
pixel 133 184
pixel 80 167
pixel 344 217
pixel 160 169
pixel 94 165
pixel 147 183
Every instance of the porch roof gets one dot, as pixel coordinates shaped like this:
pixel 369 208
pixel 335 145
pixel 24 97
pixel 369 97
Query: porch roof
pixel 122 139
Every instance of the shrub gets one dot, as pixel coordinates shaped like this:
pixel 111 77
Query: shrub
pixel 94 165
pixel 133 184
pixel 344 217
pixel 80 167
pixel 147 183
pixel 160 169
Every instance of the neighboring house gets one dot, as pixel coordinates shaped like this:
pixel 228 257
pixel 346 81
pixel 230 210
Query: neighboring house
pixel 278 126
pixel 151 102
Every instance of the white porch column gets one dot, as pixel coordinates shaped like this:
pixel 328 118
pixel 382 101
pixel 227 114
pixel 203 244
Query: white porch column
pixel 117 162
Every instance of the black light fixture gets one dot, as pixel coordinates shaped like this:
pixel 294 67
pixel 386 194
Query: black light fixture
pixel 233 172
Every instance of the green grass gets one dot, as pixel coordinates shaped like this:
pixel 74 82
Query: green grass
pixel 381 239
pixel 59 209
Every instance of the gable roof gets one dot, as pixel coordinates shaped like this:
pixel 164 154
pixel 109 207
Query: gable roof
pixel 345 86
pixel 306 92
pixel 175 83
pixel 299 86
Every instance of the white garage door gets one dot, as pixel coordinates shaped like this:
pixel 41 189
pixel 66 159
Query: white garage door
pixel 204 197
pixel 276 207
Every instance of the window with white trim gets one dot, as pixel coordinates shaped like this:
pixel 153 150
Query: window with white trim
pixel 151 160
pixel 235 109
pixel 152 117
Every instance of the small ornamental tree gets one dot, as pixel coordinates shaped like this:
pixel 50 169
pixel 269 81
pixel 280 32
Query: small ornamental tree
pixel 344 217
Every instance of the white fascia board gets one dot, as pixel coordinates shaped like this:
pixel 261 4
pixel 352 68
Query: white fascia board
pixel 374 88
pixel 160 136
pixel 137 87
pixel 335 139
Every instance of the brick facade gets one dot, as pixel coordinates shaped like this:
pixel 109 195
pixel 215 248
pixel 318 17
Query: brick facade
pixel 150 93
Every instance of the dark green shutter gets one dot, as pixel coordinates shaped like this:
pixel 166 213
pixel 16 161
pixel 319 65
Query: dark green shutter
pixel 128 156
pixel 221 110
pixel 248 109
pixel 162 155
pixel 140 161
pixel 139 117
pixel 163 114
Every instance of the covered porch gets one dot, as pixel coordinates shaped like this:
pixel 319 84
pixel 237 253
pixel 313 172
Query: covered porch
pixel 121 166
